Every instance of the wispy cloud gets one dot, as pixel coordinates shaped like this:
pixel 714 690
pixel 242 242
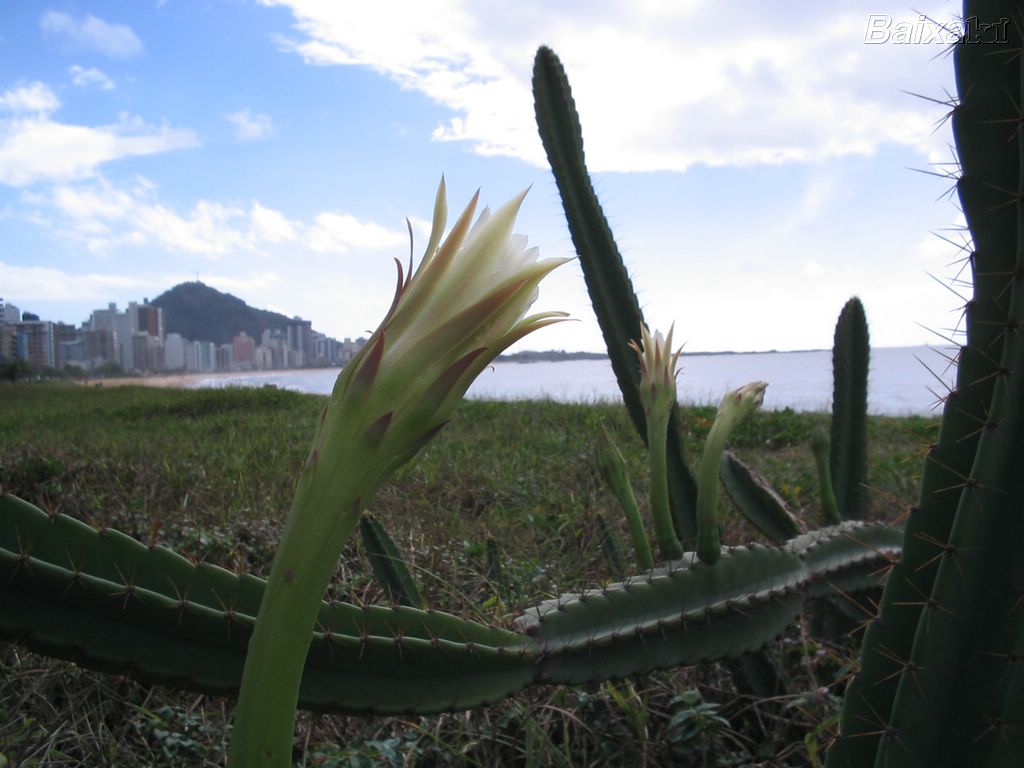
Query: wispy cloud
pixel 92 34
pixel 33 97
pixel 250 126
pixel 90 78
pixel 37 148
pixel 770 88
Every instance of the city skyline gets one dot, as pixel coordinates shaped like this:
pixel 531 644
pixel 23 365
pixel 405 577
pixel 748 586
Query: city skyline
pixel 135 341
pixel 755 178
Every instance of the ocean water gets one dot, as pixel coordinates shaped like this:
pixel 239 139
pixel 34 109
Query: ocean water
pixel 901 380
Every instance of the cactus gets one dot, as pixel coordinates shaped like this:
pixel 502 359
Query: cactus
pixel 611 291
pixel 848 453
pixel 941 681
pixel 109 602
pixel 612 468
pixel 940 677
pixel 820 447
pixel 759 503
pixel 388 564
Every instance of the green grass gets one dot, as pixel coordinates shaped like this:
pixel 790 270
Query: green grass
pixel 210 473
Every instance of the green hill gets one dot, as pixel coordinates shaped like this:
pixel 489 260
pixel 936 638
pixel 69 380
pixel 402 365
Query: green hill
pixel 201 313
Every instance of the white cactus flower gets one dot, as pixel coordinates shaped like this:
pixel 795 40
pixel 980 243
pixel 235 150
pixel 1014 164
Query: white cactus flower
pixel 465 303
pixel 658 369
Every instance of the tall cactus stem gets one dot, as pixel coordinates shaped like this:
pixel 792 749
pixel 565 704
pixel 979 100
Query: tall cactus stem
pixel 848 450
pixel 943 601
pixel 611 290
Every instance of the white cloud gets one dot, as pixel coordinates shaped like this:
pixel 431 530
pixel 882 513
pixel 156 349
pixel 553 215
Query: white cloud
pixel 34 97
pixel 116 41
pixel 269 225
pixel 342 232
pixel 771 88
pixel 250 126
pixel 37 148
pixel 102 216
pixel 49 284
pixel 90 78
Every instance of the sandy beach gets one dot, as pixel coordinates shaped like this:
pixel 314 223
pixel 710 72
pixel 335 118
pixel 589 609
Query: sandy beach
pixel 165 380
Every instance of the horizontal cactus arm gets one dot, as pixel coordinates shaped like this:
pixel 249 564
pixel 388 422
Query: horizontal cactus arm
pixel 102 614
pixel 847 558
pixel 687 612
pixel 395 659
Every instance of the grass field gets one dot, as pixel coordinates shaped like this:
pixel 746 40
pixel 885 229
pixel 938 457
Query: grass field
pixel 209 473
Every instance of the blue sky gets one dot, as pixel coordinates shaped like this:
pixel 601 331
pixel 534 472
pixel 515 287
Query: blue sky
pixel 756 165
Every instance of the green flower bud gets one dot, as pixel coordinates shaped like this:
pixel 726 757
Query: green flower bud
pixel 734 408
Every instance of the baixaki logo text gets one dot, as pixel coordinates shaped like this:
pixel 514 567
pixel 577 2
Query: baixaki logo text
pixel 883 28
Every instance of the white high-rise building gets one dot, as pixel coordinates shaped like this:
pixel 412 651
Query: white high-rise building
pixel 174 352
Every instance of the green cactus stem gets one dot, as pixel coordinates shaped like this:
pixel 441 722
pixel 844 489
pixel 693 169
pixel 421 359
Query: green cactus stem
pixel 611 291
pixel 820 448
pixel 612 468
pixel 848 454
pixel 611 547
pixel 686 611
pixel 735 407
pixel 963 501
pixel 111 603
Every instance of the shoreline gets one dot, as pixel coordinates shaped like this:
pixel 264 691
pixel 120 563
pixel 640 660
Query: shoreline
pixel 180 380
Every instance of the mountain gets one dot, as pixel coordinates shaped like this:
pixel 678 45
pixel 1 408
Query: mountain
pixel 201 313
